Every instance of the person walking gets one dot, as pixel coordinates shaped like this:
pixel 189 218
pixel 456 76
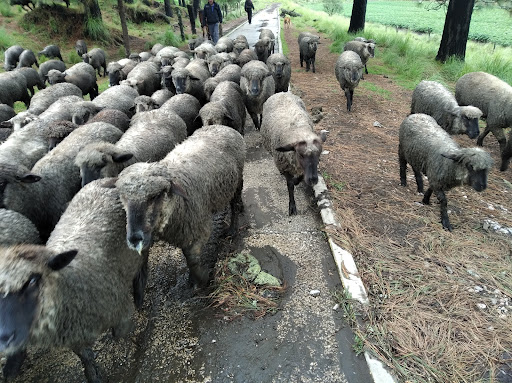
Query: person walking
pixel 212 18
pixel 249 6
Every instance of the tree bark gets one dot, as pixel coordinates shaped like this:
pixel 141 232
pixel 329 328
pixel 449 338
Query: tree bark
pixel 92 9
pixel 167 8
pixel 122 16
pixel 358 16
pixel 456 30
pixel 192 19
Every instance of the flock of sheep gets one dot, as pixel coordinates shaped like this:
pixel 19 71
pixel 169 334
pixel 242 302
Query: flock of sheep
pixel 86 186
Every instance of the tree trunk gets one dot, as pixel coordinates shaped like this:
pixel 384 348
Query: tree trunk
pixel 358 16
pixel 456 30
pixel 192 19
pixel 180 23
pixel 197 6
pixel 92 9
pixel 167 8
pixel 122 16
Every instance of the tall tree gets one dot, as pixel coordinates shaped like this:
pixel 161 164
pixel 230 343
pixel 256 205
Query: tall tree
pixel 92 9
pixel 456 30
pixel 358 16
pixel 124 27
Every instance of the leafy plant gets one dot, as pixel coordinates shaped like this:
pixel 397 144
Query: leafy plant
pixel 332 6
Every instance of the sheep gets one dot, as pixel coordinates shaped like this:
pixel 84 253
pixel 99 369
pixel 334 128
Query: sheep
pixel 430 150
pixel 149 138
pixel 348 71
pixel 176 197
pixel 97 58
pixel 113 116
pixel 156 48
pixel 217 62
pixel 267 33
pixel 16 229
pixel 118 70
pixel 307 51
pixel 204 50
pixel 24 3
pixel 13 87
pixel 33 79
pixel 120 97
pixel 12 56
pixel 187 107
pixel 57 131
pixel 51 51
pixel 364 50
pixel 6 112
pixel 27 59
pixel 247 55
pixel 73 289
pixel 306 34
pixel 44 201
pixel 230 72
pixel 44 98
pixel 288 134
pixel 432 98
pixel 226 107
pixel 166 51
pixel 194 43
pixel 80 48
pixel 144 78
pixel 224 44
pixel 261 48
pixel 281 70
pixel 45 67
pixel 191 79
pixel 493 97
pixel 80 78
pixel 257 85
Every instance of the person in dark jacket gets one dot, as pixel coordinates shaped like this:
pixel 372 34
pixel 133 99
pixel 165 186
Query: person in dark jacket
pixel 249 6
pixel 212 18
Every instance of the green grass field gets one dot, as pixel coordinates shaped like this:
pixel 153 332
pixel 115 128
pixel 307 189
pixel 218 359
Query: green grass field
pixel 487 24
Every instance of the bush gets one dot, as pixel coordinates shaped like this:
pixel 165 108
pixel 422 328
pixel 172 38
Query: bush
pixel 332 6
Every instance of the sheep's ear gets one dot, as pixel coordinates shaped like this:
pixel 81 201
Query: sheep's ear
pixel 194 78
pixel 6 124
pixel 61 260
pixel 452 156
pixel 123 157
pixel 268 74
pixel 29 178
pixel 178 190
pixel 286 148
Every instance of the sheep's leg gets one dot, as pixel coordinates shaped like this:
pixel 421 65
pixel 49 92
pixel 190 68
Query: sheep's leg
pixel 313 64
pixel 198 276
pixel 403 168
pixel 444 210
pixel 139 282
pixel 91 369
pixel 307 64
pixel 301 59
pixel 255 120
pixel 13 364
pixel 365 69
pixel 480 139
pixel 499 133
pixel 419 180
pixel 290 183
pixel 349 101
pixel 426 196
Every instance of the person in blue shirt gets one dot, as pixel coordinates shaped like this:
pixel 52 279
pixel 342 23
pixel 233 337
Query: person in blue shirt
pixel 212 18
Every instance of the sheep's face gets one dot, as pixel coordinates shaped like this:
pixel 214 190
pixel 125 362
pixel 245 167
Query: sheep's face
pixel 471 127
pixel 114 77
pixel 477 178
pixel 277 69
pixel 312 46
pixel 25 271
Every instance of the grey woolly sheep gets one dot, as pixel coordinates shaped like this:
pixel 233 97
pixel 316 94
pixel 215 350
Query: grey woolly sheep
pixel 226 107
pixel 12 56
pixel 364 50
pixel 257 85
pixel 79 76
pixel 348 71
pixel 288 134
pixel 156 48
pixel 44 98
pixel 217 62
pixel 261 48
pixel 166 51
pixel 306 34
pixel 493 97
pixel 112 116
pixel 161 96
pixel 224 44
pixel 281 70
pixel 52 286
pixel 144 103
pixel 430 150
pixel 16 229
pixel 33 79
pixel 57 131
pixel 45 67
pixel 144 78
pixel 118 70
pixel 239 44
pixel 13 87
pixel 230 72
pixel 266 33
pixel 4 133
pixel 51 51
pixel 120 97
pixel 432 98
pixel 149 138
pixel 204 51
pixel 44 201
pixel 81 48
pixel 194 43
pixel 191 79
pixel 187 107
pixel 6 112
pixel 175 198
pixel 98 59
pixel 307 51
pixel 247 55
pixel 27 59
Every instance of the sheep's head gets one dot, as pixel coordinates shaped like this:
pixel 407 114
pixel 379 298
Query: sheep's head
pixel 25 270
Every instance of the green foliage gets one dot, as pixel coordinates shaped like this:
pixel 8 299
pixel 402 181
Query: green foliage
pixel 6 10
pixel 6 40
pixel 332 7
pixel 96 30
pixel 170 38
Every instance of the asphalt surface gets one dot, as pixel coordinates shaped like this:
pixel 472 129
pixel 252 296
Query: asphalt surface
pixel 177 338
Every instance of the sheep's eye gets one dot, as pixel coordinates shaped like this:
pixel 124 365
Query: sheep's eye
pixel 32 282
